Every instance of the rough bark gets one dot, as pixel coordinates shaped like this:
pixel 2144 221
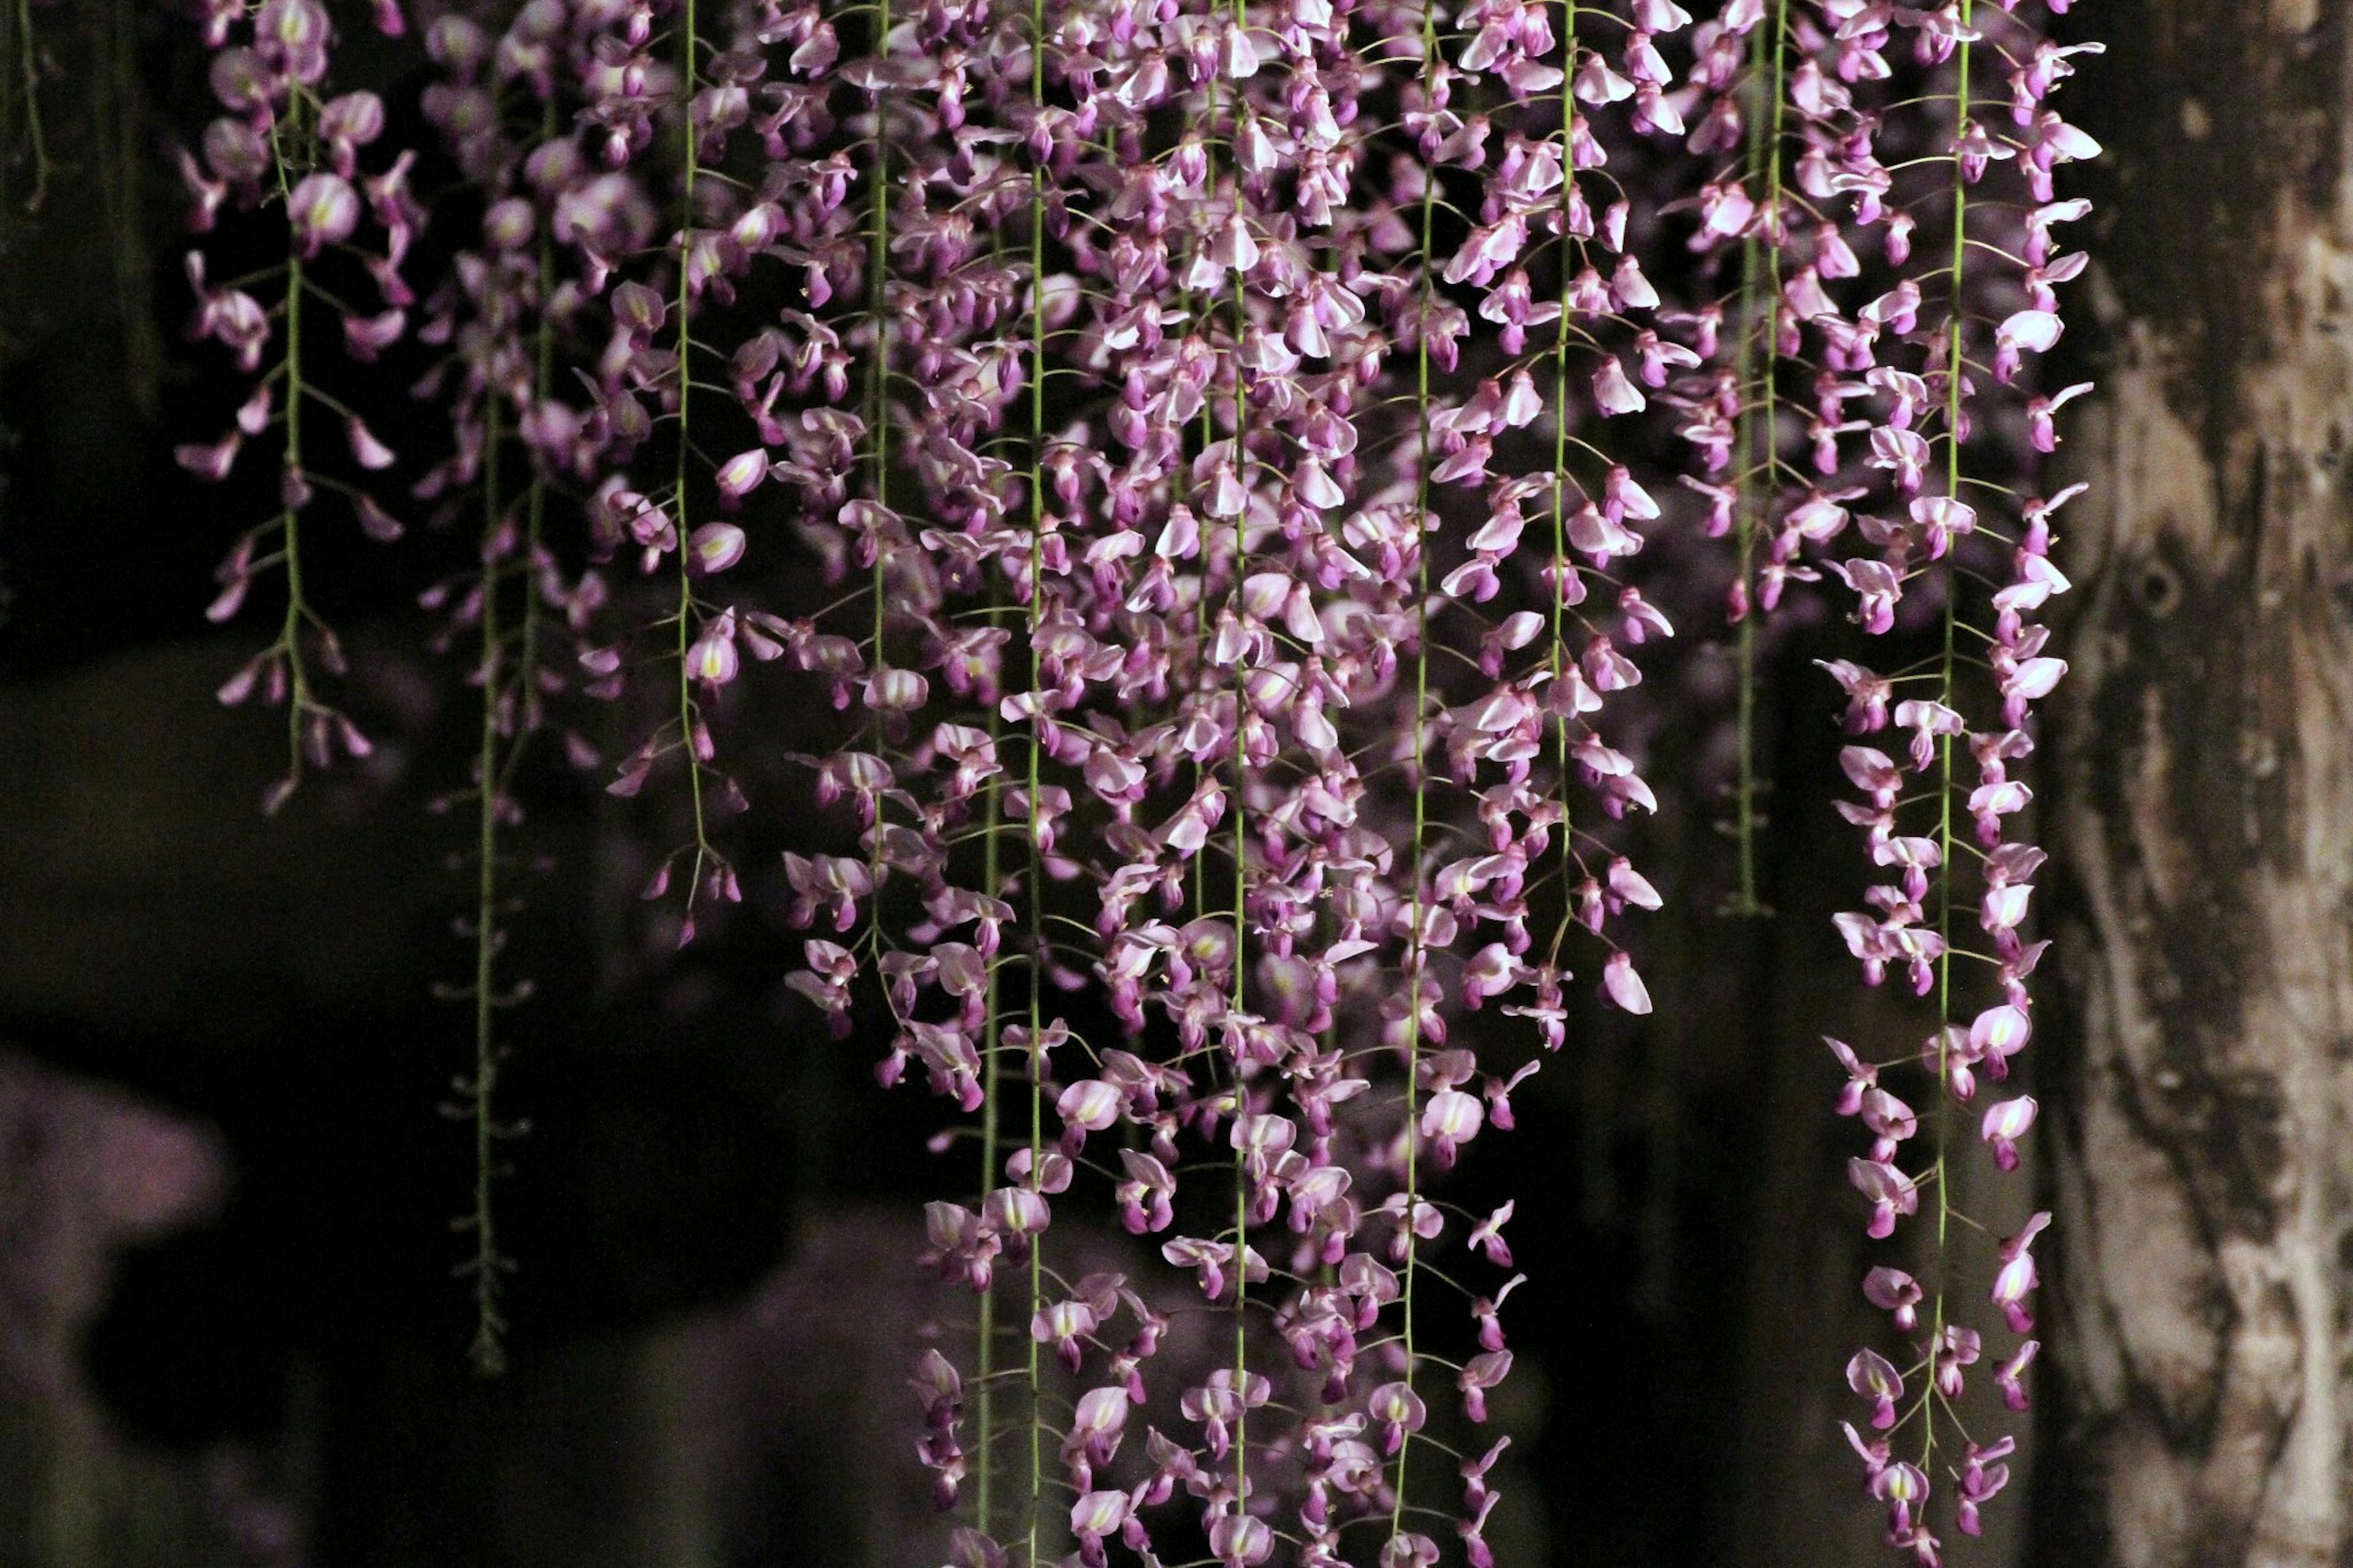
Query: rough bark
pixel 2203 814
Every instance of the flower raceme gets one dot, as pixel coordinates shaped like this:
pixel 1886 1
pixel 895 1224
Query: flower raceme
pixel 1905 351
pixel 1225 432
pixel 285 141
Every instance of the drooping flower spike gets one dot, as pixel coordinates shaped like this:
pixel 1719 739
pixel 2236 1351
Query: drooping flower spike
pixel 287 152
pixel 1918 353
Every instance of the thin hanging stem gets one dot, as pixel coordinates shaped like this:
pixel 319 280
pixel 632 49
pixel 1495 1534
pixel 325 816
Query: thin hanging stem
pixel 991 1117
pixel 489 1355
pixel 1760 263
pixel 1560 456
pixel 493 773
pixel 1416 935
pixel 1037 878
pixel 297 609
pixel 1241 862
pixel 878 414
pixel 1947 673
pixel 689 710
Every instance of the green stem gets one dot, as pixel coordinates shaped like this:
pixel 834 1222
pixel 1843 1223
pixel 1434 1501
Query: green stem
pixel 878 407
pixel 1947 672
pixel 1560 457
pixel 1241 868
pixel 289 635
pixel 689 713
pixel 991 1115
pixel 1037 880
pixel 1758 359
pixel 488 1354
pixel 1420 780
pixel 495 772
pixel 991 1104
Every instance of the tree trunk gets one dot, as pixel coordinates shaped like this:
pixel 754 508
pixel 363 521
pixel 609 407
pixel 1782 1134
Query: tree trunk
pixel 2202 810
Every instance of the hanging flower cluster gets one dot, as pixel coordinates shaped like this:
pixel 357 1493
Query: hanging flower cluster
pixel 1894 215
pixel 285 143
pixel 1158 703
pixel 499 318
pixel 1222 430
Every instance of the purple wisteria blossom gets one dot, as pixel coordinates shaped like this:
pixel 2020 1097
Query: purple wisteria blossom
pixel 1192 463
